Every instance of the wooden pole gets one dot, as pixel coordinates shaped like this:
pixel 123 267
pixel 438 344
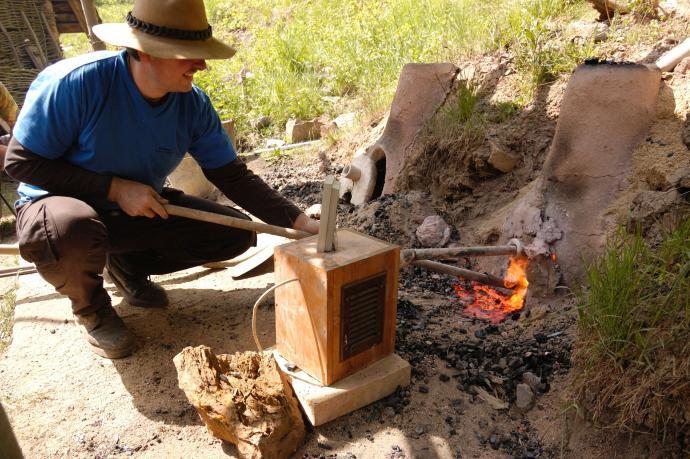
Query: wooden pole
pixel 234 222
pixel 91 16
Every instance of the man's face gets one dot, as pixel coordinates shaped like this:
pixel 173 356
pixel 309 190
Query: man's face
pixel 176 75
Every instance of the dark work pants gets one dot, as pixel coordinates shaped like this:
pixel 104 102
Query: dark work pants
pixel 68 241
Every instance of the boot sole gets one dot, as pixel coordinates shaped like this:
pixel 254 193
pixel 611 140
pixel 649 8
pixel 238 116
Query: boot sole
pixel 111 353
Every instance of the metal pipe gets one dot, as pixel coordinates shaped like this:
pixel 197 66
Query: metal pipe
pixel 18 271
pixel 408 256
pixel 483 278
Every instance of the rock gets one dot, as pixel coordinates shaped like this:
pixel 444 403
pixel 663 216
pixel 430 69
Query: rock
pixel 663 180
pixel 524 397
pixel 274 143
pixel 324 162
pixel 683 67
pixel 324 443
pixel 533 381
pixel 229 127
pixel 538 312
pixel 302 131
pixel 423 389
pixel 243 399
pixel 501 158
pixel 494 441
pixel 679 8
pixel 666 103
pixel 313 211
pixel 433 232
pixel 443 377
pixel 261 122
pixel 684 183
pixel 342 122
pixel 582 31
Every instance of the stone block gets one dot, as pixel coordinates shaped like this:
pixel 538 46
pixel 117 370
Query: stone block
pixel 303 131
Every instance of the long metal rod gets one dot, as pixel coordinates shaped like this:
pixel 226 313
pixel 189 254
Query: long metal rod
pixel 483 278
pixel 18 271
pixel 407 256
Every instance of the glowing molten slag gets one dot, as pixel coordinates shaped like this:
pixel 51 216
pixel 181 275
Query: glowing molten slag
pixel 487 303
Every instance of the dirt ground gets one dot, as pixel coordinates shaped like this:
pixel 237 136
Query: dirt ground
pixel 64 401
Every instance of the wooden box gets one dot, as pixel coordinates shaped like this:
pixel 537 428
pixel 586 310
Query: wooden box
pixel 340 317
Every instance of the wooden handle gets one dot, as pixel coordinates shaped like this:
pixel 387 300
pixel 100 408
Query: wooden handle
pixel 234 222
pixel 13 249
pixel 671 58
pixel 7 249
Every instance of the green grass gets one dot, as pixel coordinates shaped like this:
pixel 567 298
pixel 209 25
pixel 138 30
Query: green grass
pixel 634 344
pixel 305 58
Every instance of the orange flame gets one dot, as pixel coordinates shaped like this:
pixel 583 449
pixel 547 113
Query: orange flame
pixel 487 303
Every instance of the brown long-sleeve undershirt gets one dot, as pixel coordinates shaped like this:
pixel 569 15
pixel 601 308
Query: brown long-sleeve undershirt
pixel 234 180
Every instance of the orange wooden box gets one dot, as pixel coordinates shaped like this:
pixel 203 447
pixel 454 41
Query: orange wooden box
pixel 340 317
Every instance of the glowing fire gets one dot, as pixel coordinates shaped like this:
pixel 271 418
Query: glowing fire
pixel 487 303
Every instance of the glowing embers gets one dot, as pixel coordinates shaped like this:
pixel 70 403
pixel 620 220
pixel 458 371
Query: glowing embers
pixel 487 303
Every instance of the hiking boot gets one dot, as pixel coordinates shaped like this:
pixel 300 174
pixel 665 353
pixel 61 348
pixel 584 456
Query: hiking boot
pixel 138 290
pixel 106 333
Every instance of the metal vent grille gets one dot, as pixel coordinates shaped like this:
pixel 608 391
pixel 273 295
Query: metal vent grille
pixel 361 315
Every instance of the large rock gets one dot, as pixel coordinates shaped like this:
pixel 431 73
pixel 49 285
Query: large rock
pixel 433 232
pixel 585 30
pixel 243 399
pixel 524 397
pixel 501 158
pixel 303 131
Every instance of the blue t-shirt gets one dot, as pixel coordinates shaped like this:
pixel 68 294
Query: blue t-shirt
pixel 88 111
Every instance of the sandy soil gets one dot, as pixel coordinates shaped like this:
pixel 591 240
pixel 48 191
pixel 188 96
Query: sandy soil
pixel 66 402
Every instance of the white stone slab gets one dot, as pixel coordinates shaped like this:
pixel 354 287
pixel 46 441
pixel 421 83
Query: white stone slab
pixel 325 403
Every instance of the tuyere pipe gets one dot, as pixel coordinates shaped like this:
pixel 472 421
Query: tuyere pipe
pixel 484 278
pixel 409 256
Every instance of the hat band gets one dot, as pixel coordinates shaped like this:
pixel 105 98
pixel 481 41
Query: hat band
pixel 167 32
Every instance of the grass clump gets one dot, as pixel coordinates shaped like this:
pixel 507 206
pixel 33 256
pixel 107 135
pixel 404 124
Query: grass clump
pixel 633 355
pixel 7 305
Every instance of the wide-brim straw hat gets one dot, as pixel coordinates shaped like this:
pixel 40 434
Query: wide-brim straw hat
pixel 171 29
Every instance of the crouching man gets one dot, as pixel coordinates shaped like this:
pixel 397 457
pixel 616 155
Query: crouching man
pixel 96 138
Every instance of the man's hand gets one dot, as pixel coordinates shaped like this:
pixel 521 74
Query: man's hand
pixel 304 223
pixel 136 199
